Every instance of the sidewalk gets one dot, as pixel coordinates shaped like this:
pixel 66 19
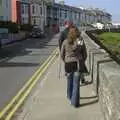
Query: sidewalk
pixel 48 100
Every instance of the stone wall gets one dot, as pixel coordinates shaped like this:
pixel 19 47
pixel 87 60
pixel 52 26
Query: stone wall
pixel 105 75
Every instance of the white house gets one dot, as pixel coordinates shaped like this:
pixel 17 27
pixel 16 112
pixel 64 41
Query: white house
pixel 98 25
pixel 38 13
pixel 116 24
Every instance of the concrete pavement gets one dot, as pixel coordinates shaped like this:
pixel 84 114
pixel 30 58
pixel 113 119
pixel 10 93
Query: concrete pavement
pixel 48 99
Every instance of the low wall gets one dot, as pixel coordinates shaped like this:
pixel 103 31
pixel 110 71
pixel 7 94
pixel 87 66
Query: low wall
pixel 105 75
pixel 10 38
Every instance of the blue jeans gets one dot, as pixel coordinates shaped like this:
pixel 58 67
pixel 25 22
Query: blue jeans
pixel 73 84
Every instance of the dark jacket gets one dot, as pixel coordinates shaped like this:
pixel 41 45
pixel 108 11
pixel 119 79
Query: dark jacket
pixel 72 54
pixel 63 36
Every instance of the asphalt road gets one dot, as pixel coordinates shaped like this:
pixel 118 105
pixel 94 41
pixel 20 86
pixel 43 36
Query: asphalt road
pixel 18 62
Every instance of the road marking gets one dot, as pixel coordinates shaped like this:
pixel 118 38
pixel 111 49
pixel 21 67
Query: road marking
pixel 28 90
pixel 27 87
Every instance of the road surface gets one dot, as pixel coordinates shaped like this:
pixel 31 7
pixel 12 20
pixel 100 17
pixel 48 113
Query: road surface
pixel 18 63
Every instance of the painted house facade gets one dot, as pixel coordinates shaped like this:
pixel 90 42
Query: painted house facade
pixel 59 13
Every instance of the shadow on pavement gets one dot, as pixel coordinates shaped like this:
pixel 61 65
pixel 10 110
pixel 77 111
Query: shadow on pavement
pixel 20 49
pixel 89 103
pixel 42 54
pixel 52 45
pixel 98 72
pixel 86 83
pixel 9 53
pixel 18 64
pixel 90 97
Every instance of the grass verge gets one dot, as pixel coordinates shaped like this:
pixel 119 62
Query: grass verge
pixel 111 41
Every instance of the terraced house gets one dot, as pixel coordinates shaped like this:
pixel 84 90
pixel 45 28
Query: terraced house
pixel 44 12
pixel 8 10
pixel 24 11
pixel 31 12
pixel 59 13
pixel 38 13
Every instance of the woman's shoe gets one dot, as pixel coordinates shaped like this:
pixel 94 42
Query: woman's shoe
pixel 76 106
pixel 83 81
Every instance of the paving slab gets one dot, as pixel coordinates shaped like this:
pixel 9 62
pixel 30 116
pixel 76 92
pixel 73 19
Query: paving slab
pixel 48 99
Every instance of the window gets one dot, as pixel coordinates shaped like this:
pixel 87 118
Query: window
pixel 43 10
pixel 1 17
pixel 7 18
pixel 26 9
pixel 34 21
pixel 7 3
pixel 40 10
pixel 36 8
pixel 75 14
pixel 60 14
pixel 0 2
pixel 65 13
pixel 23 20
pixel 33 9
pixel 22 9
pixel 79 16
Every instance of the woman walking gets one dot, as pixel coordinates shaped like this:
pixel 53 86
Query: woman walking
pixel 73 56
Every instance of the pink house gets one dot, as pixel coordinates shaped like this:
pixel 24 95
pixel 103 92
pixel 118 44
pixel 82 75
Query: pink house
pixel 14 10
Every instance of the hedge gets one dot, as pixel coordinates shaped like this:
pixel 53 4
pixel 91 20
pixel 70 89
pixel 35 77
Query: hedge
pixel 26 27
pixel 12 27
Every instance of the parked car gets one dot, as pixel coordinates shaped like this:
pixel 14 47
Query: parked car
pixel 36 33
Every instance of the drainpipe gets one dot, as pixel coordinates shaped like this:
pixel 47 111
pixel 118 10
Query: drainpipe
pixel 42 15
pixel 52 16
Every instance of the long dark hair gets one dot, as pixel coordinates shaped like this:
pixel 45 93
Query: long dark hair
pixel 78 32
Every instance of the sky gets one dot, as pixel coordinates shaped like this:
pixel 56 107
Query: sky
pixel 111 6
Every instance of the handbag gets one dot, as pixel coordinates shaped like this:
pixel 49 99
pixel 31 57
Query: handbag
pixel 82 66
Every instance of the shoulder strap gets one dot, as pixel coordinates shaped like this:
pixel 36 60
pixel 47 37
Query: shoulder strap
pixel 80 41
